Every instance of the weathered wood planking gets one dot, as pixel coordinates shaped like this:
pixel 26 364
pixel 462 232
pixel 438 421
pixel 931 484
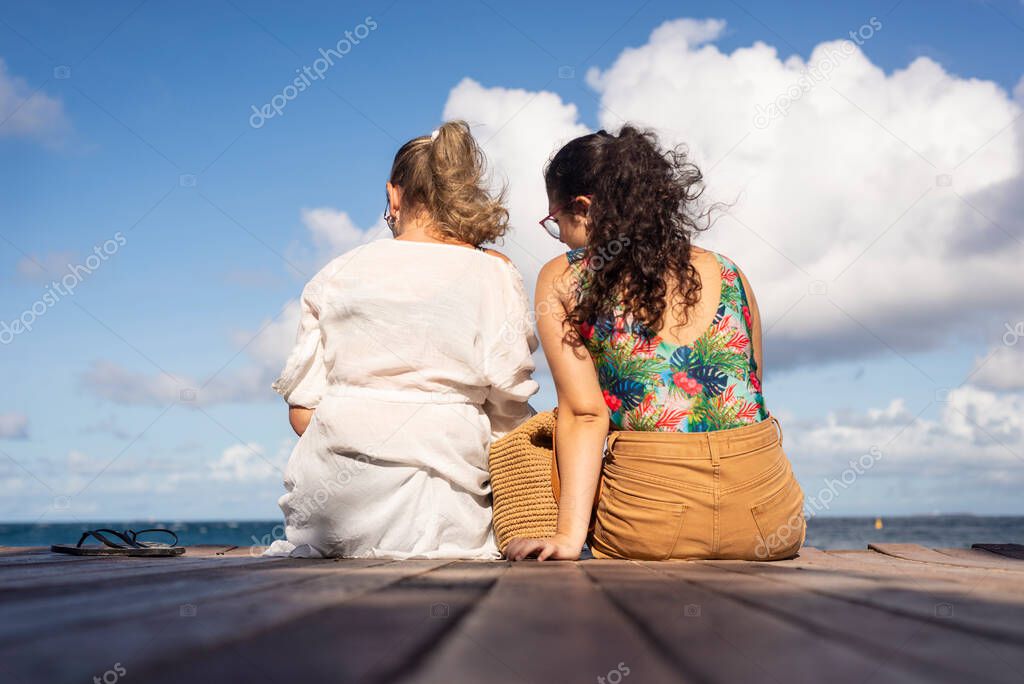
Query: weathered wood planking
pixel 935 644
pixel 372 637
pixel 189 626
pixel 974 607
pixel 718 637
pixel 545 623
pixel 902 613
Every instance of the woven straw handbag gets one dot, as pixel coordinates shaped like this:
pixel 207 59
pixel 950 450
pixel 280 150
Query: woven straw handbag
pixel 524 479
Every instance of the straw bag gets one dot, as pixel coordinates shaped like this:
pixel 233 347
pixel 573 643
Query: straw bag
pixel 524 479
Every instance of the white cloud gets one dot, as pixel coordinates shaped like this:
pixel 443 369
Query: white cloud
pixel 121 385
pixel 329 233
pixel 29 113
pixel 849 176
pixel 1002 368
pixel 13 426
pixel 849 188
pixel 968 458
pixel 519 130
pixel 335 233
pixel 243 463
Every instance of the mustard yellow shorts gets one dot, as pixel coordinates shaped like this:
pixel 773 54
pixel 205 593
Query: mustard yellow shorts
pixel 729 494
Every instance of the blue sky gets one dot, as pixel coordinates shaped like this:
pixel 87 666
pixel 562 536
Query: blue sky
pixel 133 119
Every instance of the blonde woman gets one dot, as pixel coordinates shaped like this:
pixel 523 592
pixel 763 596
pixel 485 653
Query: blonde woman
pixel 412 355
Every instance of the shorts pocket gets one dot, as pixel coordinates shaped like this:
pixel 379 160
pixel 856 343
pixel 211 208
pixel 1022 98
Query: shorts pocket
pixel 780 522
pixel 631 526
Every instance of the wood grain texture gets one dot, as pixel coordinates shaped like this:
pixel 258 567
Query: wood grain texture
pixel 904 613
pixel 546 622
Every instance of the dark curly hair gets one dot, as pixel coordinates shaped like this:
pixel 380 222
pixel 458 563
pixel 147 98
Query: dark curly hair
pixel 642 219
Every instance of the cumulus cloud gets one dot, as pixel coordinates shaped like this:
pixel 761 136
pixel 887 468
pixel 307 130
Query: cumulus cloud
pixel 335 232
pixel 866 212
pixel 13 426
pixel 856 202
pixel 892 460
pixel 519 130
pixel 879 213
pixel 243 463
pixel 331 232
pixel 26 112
pixel 1002 368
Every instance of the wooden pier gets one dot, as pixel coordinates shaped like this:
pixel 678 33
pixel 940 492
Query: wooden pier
pixel 892 613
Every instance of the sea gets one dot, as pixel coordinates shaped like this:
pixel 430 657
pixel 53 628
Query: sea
pixel 935 531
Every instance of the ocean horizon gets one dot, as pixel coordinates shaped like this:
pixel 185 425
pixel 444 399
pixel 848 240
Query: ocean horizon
pixel 823 532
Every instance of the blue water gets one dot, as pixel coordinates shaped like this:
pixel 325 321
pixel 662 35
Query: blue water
pixel 939 531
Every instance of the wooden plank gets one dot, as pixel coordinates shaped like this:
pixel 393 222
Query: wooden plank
pixel 971 608
pixel 175 635
pixel 920 554
pixel 545 622
pixel 78 577
pixel 34 612
pixel 1015 551
pixel 375 637
pixel 879 567
pixel 1005 562
pixel 716 637
pixel 936 649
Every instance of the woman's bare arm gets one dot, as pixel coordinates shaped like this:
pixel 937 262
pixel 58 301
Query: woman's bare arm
pixel 299 417
pixel 756 334
pixel 582 423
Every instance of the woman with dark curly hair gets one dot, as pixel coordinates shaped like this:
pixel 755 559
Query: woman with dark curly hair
pixel 659 340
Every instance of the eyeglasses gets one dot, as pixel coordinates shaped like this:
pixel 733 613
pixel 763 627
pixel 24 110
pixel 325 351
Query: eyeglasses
pixel 550 223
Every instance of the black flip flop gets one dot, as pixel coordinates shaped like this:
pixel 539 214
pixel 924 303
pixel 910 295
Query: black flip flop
pixel 128 544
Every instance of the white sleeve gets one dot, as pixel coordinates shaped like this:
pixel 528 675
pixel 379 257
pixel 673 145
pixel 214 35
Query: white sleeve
pixel 304 378
pixel 509 357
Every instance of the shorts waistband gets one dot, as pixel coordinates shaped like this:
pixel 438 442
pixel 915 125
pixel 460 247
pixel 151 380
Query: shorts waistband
pixel 681 445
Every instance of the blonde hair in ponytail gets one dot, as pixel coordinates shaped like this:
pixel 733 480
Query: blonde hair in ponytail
pixel 444 175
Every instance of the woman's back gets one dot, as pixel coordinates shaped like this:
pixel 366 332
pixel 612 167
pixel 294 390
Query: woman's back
pixel 698 374
pixel 409 316
pixel 412 355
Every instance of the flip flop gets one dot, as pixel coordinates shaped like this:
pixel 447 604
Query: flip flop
pixel 127 544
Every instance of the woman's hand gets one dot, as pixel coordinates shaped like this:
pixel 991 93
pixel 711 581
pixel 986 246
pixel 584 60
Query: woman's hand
pixel 558 547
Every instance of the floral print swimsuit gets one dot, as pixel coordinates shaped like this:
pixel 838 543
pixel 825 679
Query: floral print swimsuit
pixel 652 385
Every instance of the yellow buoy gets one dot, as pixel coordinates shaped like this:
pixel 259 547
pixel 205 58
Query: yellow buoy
pixel 878 523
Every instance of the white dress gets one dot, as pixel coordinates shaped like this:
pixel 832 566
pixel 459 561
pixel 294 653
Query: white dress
pixel 415 356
